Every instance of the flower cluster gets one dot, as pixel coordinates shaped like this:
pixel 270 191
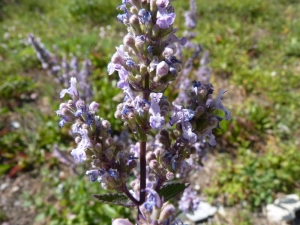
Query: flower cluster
pixel 111 164
pixel 147 62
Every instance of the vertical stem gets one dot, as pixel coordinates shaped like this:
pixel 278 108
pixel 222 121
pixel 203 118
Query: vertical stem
pixel 143 172
pixel 146 93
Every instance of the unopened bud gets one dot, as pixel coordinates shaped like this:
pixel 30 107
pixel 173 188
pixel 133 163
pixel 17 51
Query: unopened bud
pixel 155 30
pixel 117 59
pixel 109 141
pixel 94 106
pixel 98 147
pixel 118 114
pixel 134 22
pixel 170 176
pixel 153 6
pixel 106 124
pixel 120 146
pixel 143 69
pixel 153 164
pixel 167 211
pixel 121 222
pixel 130 116
pixel 162 69
pixel 140 43
pixel 136 3
pixel 129 40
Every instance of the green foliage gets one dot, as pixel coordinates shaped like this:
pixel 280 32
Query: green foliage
pixel 96 11
pixel 257 178
pixel 69 201
pixel 114 199
pixel 169 191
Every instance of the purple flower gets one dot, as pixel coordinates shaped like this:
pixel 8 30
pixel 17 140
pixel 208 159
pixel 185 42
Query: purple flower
pixel 189 200
pixel 181 115
pixel 217 104
pixel 188 133
pixel 95 175
pixel 162 3
pixel 153 200
pixel 139 104
pixel 172 38
pixel 144 16
pixel 72 90
pixel 85 143
pixel 156 120
pixel 164 18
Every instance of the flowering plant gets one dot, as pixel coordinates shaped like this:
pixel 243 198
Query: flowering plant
pixel 168 135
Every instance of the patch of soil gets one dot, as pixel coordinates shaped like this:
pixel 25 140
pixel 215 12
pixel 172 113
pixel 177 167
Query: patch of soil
pixel 11 201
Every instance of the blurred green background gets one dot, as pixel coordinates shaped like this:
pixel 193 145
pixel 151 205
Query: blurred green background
pixel 255 56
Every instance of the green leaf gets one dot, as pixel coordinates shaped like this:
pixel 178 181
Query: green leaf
pixel 169 191
pixel 4 168
pixel 115 199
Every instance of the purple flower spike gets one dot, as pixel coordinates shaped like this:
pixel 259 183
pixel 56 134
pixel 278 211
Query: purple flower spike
pixel 85 143
pixel 71 90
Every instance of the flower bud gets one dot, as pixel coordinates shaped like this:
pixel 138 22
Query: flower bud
pixel 130 116
pixel 94 106
pixel 118 114
pixel 106 124
pixel 162 69
pixel 140 43
pixel 109 141
pixel 109 154
pixel 153 164
pixel 170 176
pixel 143 69
pixel 158 152
pixel 134 22
pixel 121 222
pixel 117 59
pixel 136 3
pixel 155 30
pixel 120 146
pixel 129 41
pixel 70 103
pixel 167 211
pixel 153 6
pixel 98 147
pixel 150 156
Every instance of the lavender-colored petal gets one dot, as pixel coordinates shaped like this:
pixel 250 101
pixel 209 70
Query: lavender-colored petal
pixel 72 90
pixel 85 143
pixel 165 19
pixel 157 121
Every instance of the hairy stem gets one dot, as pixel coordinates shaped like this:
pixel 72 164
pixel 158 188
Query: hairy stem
pixel 143 149
pixel 129 195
